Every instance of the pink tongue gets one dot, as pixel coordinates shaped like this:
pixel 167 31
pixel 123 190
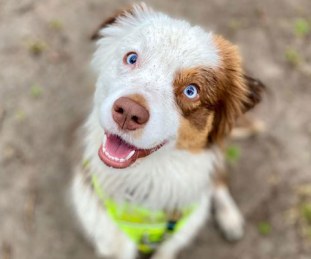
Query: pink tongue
pixel 116 147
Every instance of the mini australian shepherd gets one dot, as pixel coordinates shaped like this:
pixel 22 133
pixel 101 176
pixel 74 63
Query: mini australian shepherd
pixel 167 95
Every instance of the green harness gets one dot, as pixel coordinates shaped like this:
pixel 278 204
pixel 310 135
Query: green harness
pixel 146 228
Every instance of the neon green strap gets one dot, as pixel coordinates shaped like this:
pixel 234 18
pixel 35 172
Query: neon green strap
pixel 147 228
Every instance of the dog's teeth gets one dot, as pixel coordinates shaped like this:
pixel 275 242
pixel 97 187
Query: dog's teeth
pixel 104 140
pixel 112 157
pixel 107 154
pixel 130 155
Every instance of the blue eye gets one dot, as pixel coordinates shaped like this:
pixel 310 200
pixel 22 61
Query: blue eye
pixel 131 58
pixel 191 91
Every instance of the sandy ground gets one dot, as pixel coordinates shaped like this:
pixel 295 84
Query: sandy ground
pixel 45 92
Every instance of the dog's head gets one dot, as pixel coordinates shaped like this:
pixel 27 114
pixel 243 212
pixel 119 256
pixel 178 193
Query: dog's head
pixel 162 82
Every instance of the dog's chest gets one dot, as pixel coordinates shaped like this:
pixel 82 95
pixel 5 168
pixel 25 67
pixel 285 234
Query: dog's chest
pixel 164 181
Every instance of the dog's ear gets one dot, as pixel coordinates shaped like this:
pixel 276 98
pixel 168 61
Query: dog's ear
pixel 255 90
pixel 237 93
pixel 130 10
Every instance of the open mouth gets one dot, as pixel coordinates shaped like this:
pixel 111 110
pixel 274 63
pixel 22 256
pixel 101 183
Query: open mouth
pixel 117 153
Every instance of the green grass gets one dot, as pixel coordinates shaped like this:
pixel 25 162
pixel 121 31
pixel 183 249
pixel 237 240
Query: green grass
pixel 20 115
pixel 56 24
pixel 233 154
pixel 306 212
pixel 85 163
pixel 264 228
pixel 36 91
pixel 234 24
pixel 301 27
pixel 36 47
pixel 292 56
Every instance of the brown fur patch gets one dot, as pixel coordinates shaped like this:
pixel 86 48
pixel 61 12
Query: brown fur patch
pixel 197 114
pixel 232 90
pixel 224 94
pixel 190 137
pixel 204 79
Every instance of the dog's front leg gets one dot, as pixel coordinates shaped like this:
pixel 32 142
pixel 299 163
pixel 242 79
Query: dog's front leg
pixel 227 214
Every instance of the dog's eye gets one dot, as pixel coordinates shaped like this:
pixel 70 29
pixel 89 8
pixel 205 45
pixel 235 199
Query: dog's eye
pixel 131 58
pixel 191 92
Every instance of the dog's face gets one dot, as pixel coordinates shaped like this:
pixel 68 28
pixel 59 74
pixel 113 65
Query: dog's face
pixel 163 82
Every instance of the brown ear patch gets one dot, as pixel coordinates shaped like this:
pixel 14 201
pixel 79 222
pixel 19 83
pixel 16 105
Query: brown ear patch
pixel 191 137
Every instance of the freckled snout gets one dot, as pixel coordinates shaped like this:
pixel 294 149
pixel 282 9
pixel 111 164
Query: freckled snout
pixel 128 114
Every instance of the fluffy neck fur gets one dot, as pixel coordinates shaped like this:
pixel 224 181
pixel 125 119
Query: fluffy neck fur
pixel 167 179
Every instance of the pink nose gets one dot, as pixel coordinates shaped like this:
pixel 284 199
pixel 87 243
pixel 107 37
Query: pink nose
pixel 128 114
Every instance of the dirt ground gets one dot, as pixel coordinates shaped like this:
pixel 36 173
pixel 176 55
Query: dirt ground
pixel 45 93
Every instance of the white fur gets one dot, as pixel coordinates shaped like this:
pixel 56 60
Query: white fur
pixel 227 214
pixel 168 178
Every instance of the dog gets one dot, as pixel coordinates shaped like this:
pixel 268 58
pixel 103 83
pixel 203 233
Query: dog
pixel 167 96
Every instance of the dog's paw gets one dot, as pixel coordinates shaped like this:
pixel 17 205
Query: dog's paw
pixel 231 223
